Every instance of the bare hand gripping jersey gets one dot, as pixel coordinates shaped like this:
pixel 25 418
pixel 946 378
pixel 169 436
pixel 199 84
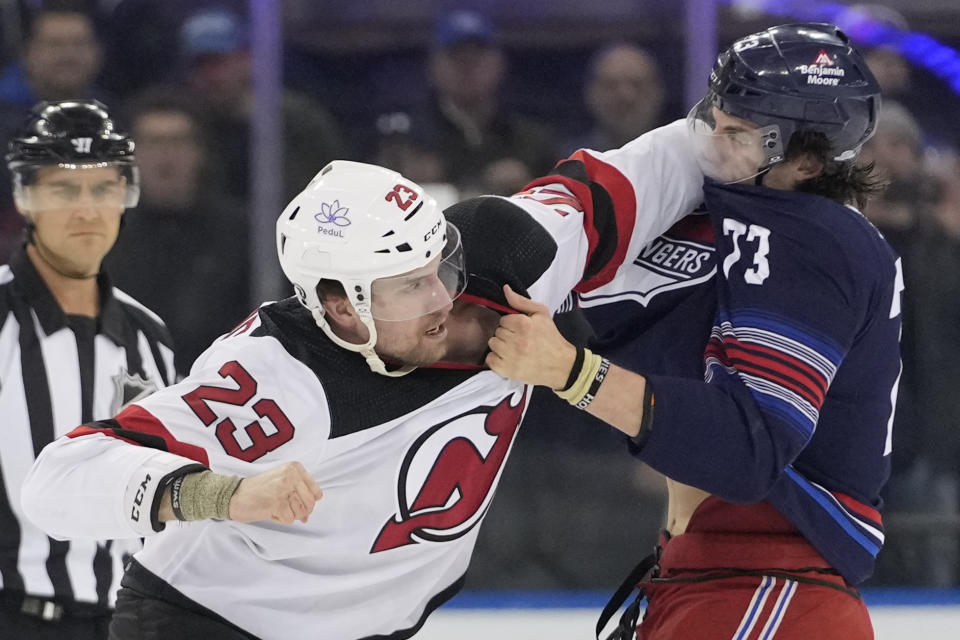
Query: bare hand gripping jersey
pixel 408 465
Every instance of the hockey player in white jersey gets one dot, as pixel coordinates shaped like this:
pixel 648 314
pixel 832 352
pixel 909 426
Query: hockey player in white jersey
pixel 224 472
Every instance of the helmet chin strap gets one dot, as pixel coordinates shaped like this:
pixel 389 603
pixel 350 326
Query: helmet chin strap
pixel 758 180
pixel 366 350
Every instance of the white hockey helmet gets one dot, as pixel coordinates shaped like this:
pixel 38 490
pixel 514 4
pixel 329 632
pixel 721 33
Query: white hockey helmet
pixel 366 226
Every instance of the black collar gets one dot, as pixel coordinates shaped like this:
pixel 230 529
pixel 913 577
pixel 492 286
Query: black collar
pixel 111 320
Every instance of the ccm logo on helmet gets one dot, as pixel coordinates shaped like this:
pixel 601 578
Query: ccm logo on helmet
pixel 432 232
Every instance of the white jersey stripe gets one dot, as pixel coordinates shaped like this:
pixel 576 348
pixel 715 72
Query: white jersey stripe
pixel 752 613
pixel 16 456
pixel 872 530
pixel 779 610
pixel 761 385
pixel 80 569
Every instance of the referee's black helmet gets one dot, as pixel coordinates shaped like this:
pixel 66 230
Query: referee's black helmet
pixel 71 134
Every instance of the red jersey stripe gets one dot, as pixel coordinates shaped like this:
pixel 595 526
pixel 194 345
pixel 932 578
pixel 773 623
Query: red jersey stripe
pixel 865 511
pixel 809 388
pixel 136 418
pixel 813 375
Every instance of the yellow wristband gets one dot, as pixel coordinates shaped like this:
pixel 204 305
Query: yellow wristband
pixel 591 364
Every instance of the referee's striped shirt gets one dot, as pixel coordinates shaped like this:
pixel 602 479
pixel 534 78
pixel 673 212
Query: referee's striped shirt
pixel 58 371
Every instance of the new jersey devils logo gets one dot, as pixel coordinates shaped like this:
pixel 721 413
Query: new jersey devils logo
pixel 448 476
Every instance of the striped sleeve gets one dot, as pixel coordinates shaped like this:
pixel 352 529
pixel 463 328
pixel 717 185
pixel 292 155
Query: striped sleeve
pixel 758 405
pixel 787 368
pixel 574 229
pixel 767 373
pixel 785 322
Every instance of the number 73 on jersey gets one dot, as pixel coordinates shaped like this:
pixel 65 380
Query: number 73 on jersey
pixel 760 270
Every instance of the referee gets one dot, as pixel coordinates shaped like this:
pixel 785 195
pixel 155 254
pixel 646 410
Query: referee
pixel 72 350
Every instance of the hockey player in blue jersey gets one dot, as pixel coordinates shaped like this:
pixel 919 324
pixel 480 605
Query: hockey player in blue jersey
pixel 756 351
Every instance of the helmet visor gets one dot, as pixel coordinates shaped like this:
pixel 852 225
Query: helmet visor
pixel 423 290
pixel 732 151
pixel 65 187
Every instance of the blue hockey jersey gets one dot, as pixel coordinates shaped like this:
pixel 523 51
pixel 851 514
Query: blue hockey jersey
pixel 773 358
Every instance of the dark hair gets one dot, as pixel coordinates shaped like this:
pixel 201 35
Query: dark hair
pixel 844 182
pixel 327 288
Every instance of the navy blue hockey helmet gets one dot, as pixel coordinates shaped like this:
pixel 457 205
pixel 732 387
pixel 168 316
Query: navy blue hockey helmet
pixel 799 77
pixel 73 134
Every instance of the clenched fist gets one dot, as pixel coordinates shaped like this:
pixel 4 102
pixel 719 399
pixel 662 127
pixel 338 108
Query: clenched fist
pixel 283 494
pixel 528 346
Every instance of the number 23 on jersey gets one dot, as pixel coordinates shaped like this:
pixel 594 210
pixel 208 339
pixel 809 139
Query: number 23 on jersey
pixel 258 441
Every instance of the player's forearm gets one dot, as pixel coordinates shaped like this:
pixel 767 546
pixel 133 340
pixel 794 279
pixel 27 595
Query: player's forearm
pixel 716 437
pixel 620 400
pixel 284 494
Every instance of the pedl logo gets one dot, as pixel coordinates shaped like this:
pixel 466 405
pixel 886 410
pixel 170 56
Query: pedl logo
pixel 331 213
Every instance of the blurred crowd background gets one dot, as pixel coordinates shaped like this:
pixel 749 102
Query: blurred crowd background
pixel 473 98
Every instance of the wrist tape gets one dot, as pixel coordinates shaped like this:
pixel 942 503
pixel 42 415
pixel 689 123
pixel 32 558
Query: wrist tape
pixel 198 496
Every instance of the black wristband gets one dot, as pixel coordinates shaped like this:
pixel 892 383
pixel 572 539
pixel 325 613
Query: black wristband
pixel 164 484
pixel 575 370
pixel 595 385
pixel 175 498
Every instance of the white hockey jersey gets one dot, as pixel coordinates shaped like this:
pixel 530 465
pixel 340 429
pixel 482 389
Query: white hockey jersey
pixel 408 465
